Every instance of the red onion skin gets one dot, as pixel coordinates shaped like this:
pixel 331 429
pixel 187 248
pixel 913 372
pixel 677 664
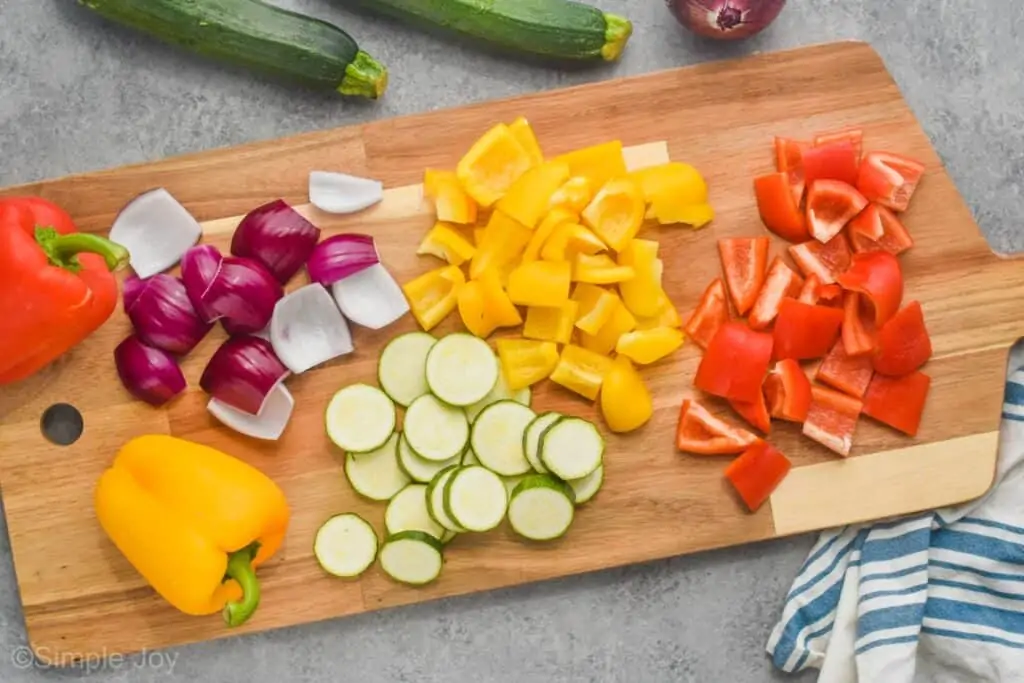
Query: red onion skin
pixel 199 266
pixel 242 372
pixel 277 236
pixel 726 19
pixel 338 257
pixel 163 316
pixel 242 295
pixel 149 374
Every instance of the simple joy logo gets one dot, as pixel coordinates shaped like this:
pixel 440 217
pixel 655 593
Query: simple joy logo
pixel 24 658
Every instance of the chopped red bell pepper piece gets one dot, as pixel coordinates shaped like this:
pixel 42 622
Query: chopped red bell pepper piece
pixel 887 178
pixel 831 204
pixel 809 292
pixel 744 260
pixel 855 136
pixel 877 276
pixel 898 401
pixel 832 419
pixel 830 295
pixel 803 331
pixel 824 260
pixel 780 283
pixel 789 160
pixel 859 332
pixel 711 313
pixel 701 432
pixel 735 363
pixel 757 473
pixel 849 374
pixel 837 160
pixel 779 208
pixel 876 219
pixel 903 343
pixel 787 391
pixel 754 412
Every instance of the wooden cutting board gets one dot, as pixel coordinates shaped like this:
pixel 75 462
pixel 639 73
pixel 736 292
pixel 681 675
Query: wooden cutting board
pixel 79 594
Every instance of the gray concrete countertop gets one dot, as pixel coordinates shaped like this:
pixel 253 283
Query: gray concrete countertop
pixel 77 94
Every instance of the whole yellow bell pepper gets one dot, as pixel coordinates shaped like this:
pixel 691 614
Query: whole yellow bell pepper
pixel 194 522
pixel 625 400
pixel 433 295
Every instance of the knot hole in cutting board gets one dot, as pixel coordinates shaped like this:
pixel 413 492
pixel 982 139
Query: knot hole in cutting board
pixel 62 424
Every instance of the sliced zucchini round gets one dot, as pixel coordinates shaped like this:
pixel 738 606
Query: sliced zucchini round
pixel 345 545
pixel 587 487
pixel 531 438
pixel 497 437
pixel 360 418
pixel 542 508
pixel 475 498
pixel 500 392
pixel 571 448
pixel 461 369
pixel 407 511
pixel 376 475
pixel 420 469
pixel 412 557
pixel 434 430
pixel 402 369
pixel 435 501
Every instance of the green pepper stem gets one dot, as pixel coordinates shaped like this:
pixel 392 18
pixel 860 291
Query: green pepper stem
pixel 241 570
pixel 64 248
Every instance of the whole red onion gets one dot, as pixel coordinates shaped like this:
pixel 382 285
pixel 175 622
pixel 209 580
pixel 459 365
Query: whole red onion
pixel 726 19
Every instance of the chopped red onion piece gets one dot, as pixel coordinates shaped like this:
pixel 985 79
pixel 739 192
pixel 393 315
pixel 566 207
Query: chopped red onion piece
pixel 370 298
pixel 308 329
pixel 277 236
pixel 163 316
pixel 149 374
pixel 343 193
pixel 268 425
pixel 156 230
pixel 242 295
pixel 242 373
pixel 341 256
pixel 199 266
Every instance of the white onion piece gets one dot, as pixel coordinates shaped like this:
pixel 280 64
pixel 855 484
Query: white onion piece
pixel 308 329
pixel 156 230
pixel 268 424
pixel 343 193
pixel 371 298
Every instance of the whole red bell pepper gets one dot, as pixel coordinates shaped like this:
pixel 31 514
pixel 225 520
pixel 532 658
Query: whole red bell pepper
pixel 56 286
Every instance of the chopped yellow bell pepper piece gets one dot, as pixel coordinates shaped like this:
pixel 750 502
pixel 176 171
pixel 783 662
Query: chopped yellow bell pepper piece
pixel 473 310
pixel 647 346
pixel 478 236
pixel 526 362
pixel 540 283
pixel 434 295
pixel 551 323
pixel 574 195
pixel 548 225
pixel 596 307
pixel 581 370
pixel 504 312
pixel 598 164
pixel 600 270
pixel 446 242
pixel 571 239
pixel 674 182
pixel 616 212
pixel 492 164
pixel 503 242
pixel 527 199
pixel 451 203
pixel 523 132
pixel 620 322
pixel 694 215
pixel 669 317
pixel 625 400
pixel 643 295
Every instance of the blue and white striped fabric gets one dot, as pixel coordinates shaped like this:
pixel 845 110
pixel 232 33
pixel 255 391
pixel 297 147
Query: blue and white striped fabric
pixel 934 597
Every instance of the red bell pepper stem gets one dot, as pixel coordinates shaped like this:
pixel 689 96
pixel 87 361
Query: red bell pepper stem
pixel 61 250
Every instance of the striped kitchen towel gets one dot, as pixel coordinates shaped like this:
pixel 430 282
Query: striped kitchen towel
pixel 938 596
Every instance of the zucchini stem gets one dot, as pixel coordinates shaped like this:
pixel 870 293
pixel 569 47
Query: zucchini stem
pixel 616 35
pixel 364 77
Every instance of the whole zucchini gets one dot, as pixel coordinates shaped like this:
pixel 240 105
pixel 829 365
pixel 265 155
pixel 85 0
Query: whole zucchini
pixel 552 28
pixel 256 35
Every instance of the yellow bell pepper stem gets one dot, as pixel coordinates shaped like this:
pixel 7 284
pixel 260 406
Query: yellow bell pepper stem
pixel 193 521
pixel 241 570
